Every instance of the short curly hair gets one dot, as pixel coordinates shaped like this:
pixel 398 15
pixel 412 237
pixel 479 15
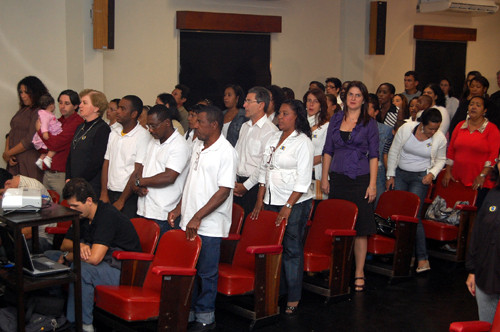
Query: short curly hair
pixel 97 98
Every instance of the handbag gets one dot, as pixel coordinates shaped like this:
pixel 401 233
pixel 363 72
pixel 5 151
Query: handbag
pixel 386 227
pixel 438 211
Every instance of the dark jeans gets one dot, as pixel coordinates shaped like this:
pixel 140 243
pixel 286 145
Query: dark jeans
pixel 130 206
pixel 247 201
pixel 165 226
pixel 412 182
pixel 292 268
pixel 205 285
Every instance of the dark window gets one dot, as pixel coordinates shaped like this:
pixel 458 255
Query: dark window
pixel 437 59
pixel 209 61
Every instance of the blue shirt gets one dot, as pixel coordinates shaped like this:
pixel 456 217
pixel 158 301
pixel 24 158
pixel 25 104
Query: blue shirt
pixel 352 157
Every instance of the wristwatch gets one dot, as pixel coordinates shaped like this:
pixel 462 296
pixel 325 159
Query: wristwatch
pixel 138 182
pixel 388 177
pixel 288 205
pixel 482 175
pixel 64 256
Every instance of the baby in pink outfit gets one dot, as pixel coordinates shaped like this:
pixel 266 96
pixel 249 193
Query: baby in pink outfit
pixel 48 124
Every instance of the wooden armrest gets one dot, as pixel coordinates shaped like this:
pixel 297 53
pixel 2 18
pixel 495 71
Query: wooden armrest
pixel 56 230
pixel 472 326
pixel 138 256
pixel 400 218
pixel 271 249
pixel 173 271
pixel 463 207
pixel 340 232
pixel 232 237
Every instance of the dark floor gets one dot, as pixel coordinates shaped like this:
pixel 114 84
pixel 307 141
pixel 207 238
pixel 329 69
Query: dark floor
pixel 427 302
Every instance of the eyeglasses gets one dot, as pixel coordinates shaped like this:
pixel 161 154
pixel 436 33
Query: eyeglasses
pixel 273 149
pixel 154 126
pixel 312 101
pixel 197 160
pixel 248 101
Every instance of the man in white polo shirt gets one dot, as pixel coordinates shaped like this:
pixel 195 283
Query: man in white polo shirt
pixel 250 147
pixel 126 150
pixel 161 177
pixel 206 208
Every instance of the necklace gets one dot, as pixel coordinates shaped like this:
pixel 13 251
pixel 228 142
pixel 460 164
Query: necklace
pixel 77 139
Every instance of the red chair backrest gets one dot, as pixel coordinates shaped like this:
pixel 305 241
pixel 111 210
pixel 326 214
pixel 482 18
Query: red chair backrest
pixel 64 203
pixel 54 196
pixel 148 232
pixel 65 224
pixel 237 219
pixel 260 232
pixel 330 214
pixel 455 191
pixel 174 250
pixel 398 202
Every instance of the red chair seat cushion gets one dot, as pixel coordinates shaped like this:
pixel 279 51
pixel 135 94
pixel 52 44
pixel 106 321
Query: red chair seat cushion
pixel 235 280
pixel 381 245
pixel 316 262
pixel 440 231
pixel 128 302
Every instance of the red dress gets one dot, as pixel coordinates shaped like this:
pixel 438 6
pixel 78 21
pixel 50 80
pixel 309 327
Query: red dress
pixel 471 151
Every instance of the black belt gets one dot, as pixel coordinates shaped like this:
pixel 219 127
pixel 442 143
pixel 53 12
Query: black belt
pixel 241 179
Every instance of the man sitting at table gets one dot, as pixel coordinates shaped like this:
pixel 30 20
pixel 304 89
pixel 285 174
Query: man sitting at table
pixel 104 229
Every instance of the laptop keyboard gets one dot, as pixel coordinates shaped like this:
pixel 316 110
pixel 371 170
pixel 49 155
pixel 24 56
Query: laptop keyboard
pixel 41 267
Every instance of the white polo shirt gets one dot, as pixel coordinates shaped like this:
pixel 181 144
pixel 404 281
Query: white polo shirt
pixel 287 168
pixel 123 152
pixel 250 147
pixel 210 169
pixel 174 154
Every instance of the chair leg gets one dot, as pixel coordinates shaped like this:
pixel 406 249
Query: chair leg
pixel 463 231
pixel 175 303
pixel 267 280
pixel 403 249
pixel 340 265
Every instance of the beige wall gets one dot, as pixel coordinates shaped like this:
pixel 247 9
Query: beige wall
pixel 53 40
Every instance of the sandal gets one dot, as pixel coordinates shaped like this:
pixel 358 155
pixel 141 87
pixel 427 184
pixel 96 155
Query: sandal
pixel 291 310
pixel 359 288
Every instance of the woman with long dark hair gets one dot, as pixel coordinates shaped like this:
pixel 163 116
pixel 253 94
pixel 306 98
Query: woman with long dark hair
pixel 20 154
pixel 284 180
pixel 353 138
pixel 234 114
pixel 438 102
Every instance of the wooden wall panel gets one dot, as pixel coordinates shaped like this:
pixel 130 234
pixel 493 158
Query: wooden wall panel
pixel 431 32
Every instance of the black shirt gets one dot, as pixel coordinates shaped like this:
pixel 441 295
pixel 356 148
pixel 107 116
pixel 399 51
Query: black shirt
pixel 110 228
pixel 86 154
pixel 483 256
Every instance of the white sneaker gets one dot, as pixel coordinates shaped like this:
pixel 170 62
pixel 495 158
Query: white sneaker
pixel 48 162
pixel 88 328
pixel 39 163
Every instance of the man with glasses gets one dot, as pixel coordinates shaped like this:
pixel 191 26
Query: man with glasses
pixel 206 209
pixel 333 86
pixel 250 147
pixel 159 180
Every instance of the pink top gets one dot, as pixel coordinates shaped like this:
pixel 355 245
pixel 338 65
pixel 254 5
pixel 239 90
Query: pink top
pixel 48 123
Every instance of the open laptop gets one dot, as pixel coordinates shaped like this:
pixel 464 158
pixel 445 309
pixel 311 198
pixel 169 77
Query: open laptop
pixel 40 265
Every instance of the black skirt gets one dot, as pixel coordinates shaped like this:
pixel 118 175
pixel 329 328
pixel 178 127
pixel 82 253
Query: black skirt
pixel 343 187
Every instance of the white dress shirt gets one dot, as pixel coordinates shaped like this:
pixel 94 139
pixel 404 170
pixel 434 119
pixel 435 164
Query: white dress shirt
pixel 174 154
pixel 250 147
pixel 318 140
pixel 210 169
pixel 123 152
pixel 287 168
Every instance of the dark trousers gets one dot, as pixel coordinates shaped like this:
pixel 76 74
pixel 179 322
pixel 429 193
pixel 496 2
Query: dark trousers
pixel 130 206
pixel 247 201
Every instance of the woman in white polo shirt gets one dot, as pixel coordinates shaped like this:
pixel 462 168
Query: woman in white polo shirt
pixel 284 180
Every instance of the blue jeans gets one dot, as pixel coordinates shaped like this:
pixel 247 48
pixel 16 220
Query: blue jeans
pixel 165 226
pixel 292 269
pixel 92 276
pixel 380 182
pixel 205 285
pixel 412 182
pixel 486 305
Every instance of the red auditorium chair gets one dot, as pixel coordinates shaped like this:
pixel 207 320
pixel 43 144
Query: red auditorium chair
pixel 478 326
pixel 329 247
pixel 255 269
pixel 54 196
pixel 402 208
pixel 443 233
pixel 164 298
pixel 228 244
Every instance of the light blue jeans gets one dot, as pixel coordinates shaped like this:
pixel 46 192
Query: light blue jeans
pixel 486 305
pixel 412 182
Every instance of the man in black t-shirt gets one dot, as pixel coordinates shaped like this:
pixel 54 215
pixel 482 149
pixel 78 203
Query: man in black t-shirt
pixel 104 229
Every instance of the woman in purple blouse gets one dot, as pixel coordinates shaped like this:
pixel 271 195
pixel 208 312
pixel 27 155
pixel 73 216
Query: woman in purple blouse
pixel 350 157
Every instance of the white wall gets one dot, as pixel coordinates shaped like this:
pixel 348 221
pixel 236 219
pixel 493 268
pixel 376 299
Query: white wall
pixel 52 39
